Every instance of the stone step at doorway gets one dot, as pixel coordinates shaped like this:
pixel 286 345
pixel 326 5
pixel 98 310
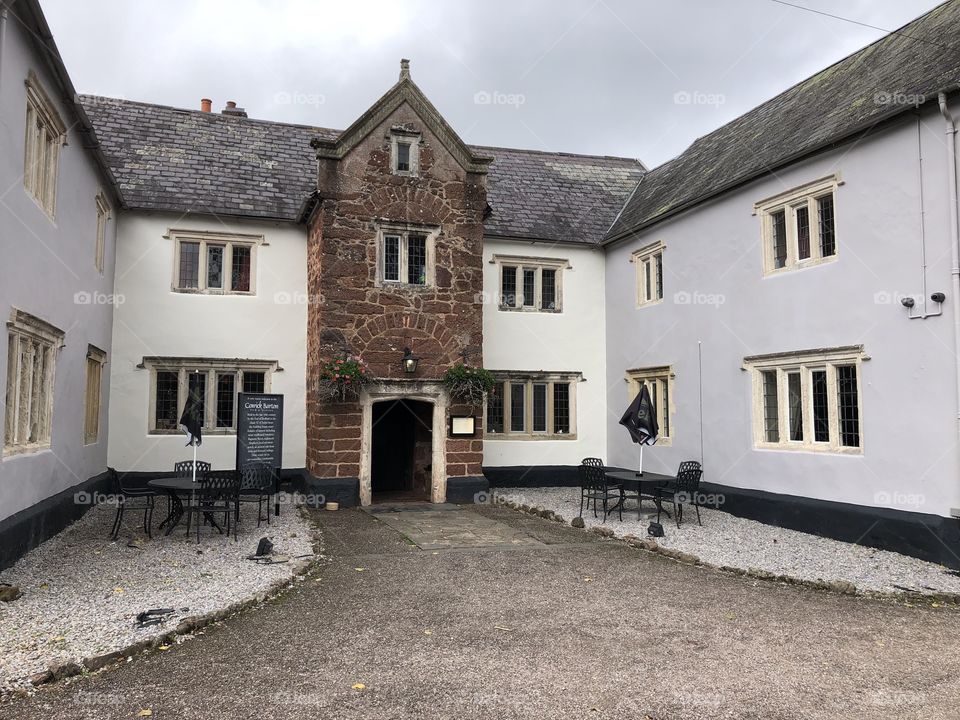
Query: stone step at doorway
pixel 445 526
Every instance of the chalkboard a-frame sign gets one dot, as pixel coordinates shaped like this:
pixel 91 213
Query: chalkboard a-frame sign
pixel 259 431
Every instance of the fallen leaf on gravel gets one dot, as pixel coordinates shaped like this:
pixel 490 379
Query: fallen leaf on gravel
pixel 163 647
pixel 359 686
pixel 145 713
pixel 428 632
pixel 588 579
pixel 500 627
pixel 359 569
pixel 119 590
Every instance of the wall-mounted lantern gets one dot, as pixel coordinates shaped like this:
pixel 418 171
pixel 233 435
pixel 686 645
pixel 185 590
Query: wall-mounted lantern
pixel 409 361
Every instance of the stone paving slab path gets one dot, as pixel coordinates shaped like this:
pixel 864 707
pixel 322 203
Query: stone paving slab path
pixel 574 627
pixel 449 527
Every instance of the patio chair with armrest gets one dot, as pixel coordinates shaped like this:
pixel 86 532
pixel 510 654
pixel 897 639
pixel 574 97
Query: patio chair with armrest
pixel 595 485
pixel 128 496
pixel 684 489
pixel 216 495
pixel 256 486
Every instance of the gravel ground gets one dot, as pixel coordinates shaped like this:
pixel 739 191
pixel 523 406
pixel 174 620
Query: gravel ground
pixel 736 542
pixel 82 592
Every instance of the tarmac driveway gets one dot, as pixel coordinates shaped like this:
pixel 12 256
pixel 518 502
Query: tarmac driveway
pixel 571 626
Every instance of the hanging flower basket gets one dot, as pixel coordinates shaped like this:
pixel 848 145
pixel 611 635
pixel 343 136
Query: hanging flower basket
pixel 342 380
pixel 468 384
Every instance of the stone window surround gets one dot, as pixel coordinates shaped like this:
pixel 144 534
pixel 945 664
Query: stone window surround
pixel 412 138
pixel 50 133
pixel 403 229
pixel 24 325
pixel 804 195
pixel 539 264
pixel 804 361
pixel 210 367
pixel 641 258
pixel 92 407
pixel 103 217
pixel 228 240
pixel 530 379
pixel 660 374
pixel 432 392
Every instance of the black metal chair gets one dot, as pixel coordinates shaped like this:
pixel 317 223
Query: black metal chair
pixel 685 488
pixel 595 485
pixel 134 498
pixel 184 469
pixel 216 495
pixel 256 486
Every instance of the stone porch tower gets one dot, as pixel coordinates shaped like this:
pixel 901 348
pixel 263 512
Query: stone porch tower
pixel 394 261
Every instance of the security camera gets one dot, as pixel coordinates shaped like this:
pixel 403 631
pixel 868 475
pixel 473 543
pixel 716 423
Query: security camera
pixel 938 297
pixel 907 302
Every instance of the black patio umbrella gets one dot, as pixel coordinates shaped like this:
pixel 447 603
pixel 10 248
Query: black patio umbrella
pixel 191 420
pixel 640 420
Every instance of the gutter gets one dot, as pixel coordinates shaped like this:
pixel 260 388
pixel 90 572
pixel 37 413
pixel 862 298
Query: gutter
pixel 951 132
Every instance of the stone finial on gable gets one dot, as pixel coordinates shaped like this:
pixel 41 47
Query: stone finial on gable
pixel 404 69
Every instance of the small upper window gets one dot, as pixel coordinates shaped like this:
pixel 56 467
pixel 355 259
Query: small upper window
pixel 405 153
pixel 45 133
pixel 798 227
pixel 649 265
pixel 214 264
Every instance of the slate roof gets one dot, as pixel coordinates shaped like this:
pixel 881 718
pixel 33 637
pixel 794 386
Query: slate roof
pixel 168 158
pixel 836 103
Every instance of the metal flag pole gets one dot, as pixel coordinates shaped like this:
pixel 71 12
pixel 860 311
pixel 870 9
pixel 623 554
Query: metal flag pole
pixel 640 471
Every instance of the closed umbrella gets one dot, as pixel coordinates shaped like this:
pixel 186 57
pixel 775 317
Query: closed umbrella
pixel 640 420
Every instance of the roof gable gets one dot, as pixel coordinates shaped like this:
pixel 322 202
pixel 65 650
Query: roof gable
pixel 405 91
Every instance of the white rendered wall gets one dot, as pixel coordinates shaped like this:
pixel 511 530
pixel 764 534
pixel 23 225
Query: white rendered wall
pixel 47 269
pixel 908 386
pixel 571 340
pixel 155 321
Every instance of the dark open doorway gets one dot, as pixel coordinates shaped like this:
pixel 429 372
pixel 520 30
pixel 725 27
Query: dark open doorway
pixel 401 461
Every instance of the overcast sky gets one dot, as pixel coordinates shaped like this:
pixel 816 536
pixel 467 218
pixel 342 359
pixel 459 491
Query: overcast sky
pixel 637 78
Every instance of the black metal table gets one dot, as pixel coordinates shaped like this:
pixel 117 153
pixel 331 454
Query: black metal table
pixel 631 480
pixel 176 488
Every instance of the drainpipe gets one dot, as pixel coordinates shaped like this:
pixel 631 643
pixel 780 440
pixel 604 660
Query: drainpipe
pixel 951 130
pixel 924 314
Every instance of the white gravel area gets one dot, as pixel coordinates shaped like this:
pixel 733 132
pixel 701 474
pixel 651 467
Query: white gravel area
pixel 726 540
pixel 82 591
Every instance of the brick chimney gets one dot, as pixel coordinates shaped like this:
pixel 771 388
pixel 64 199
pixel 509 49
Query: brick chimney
pixel 206 104
pixel 232 109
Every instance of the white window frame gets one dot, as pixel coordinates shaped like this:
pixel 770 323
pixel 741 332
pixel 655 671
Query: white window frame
pixel 43 337
pixel 805 362
pixel 404 231
pixel 538 265
pixel 211 368
pixel 228 241
pixel 805 196
pixel 96 359
pixel 45 133
pixel 528 380
pixel 103 217
pixel 413 139
pixel 662 377
pixel 645 260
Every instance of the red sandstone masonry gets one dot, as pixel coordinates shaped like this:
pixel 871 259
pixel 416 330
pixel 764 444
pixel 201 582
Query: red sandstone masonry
pixel 356 316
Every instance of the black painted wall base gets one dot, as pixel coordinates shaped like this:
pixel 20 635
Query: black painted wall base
pixel 928 537
pixel 467 490
pixel 533 476
pixel 25 530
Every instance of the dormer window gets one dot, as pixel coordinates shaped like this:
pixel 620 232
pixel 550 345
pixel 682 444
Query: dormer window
pixel 404 153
